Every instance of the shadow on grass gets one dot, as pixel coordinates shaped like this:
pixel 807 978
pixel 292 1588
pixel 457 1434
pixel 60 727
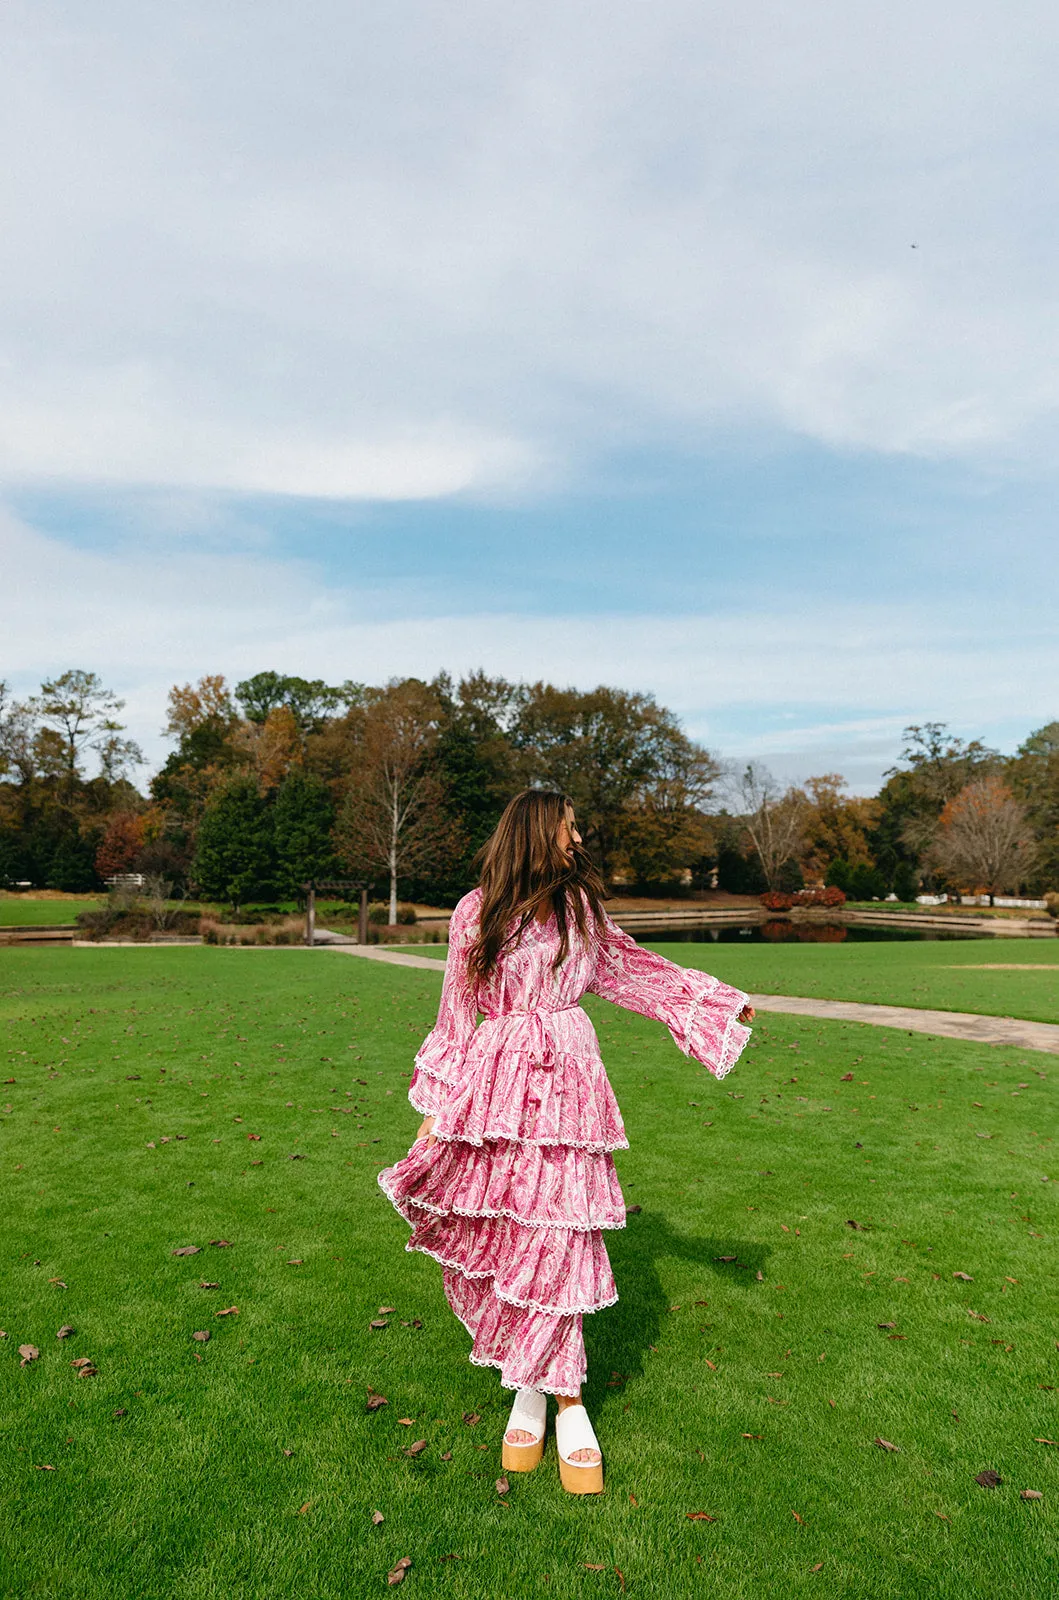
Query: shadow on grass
pixel 617 1340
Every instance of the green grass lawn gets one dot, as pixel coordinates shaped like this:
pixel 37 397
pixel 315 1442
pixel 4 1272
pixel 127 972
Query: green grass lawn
pixel 16 911
pixel 998 977
pixel 751 1390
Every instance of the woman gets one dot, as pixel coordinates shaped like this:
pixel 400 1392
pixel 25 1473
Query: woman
pixel 511 1178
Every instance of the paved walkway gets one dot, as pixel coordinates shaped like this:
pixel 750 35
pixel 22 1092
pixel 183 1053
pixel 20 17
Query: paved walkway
pixel 948 1024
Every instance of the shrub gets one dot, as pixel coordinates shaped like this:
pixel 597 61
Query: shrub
pixel 1051 901
pixel 773 900
pixel 379 913
pixel 830 896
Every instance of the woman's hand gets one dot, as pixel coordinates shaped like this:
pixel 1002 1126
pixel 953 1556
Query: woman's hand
pixel 746 1015
pixel 425 1128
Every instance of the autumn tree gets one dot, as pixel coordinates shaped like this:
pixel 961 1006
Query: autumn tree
pixel 393 818
pixel 77 712
pixel 608 749
pixel 273 748
pixel 983 839
pixel 774 818
pixel 121 845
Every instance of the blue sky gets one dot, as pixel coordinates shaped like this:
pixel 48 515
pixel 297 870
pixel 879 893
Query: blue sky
pixel 711 351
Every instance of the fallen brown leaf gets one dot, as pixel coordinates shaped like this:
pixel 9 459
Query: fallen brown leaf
pixel 209 1285
pixel 376 1400
pixel 254 1138
pixel 964 1277
pixel 988 1479
pixel 1046 1441
pixel 378 1322
pixel 58 1282
pixel 303 1509
pixel 65 1331
pixel 203 1336
pixel 819 1564
pixel 88 1372
pixel 797 1518
pixel 297 1262
pixel 471 1418
pixel 886 1324
pixel 46 1467
pixel 186 1250
pixel 221 1244
pixel 229 1311
pixel 377 1517
pixel 120 1412
pixel 632 1211
pixel 502 1486
pixel 28 1352
pixel 633 1500
pixel 884 1444
pixel 847 1077
pixel 595 1566
pixel 1030 1494
pixel 288 1453
pixel 699 1516
pixel 416 1449
pixel 446 1455
pixel 396 1574
pixel 386 1311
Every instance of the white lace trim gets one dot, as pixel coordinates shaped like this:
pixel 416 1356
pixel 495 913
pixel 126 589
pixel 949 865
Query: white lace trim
pixel 726 1059
pixel 512 1216
pixel 510 1299
pixel 421 1102
pixel 595 1146
pixel 507 1383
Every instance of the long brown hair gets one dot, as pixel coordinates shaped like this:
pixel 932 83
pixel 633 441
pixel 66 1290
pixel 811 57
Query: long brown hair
pixel 523 869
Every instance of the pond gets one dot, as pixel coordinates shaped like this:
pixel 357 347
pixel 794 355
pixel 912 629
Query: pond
pixel 781 930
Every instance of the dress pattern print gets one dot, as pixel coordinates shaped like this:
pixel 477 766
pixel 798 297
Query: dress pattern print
pixel 514 1197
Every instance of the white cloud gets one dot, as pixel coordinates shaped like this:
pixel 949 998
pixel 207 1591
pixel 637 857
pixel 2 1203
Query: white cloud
pixel 422 249
pixel 802 696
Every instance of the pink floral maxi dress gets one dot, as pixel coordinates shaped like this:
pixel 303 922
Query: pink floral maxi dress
pixel 513 1198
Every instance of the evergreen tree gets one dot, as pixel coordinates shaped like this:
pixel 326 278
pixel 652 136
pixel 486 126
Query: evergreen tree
pixel 235 854
pixel 302 818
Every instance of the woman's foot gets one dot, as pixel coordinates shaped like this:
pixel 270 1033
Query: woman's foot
pixel 588 1458
pixel 580 1460
pixel 524 1438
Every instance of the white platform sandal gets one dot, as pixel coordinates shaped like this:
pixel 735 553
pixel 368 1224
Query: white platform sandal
pixel 573 1432
pixel 529 1413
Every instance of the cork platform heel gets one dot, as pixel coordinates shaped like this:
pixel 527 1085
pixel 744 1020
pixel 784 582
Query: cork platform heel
pixel 529 1413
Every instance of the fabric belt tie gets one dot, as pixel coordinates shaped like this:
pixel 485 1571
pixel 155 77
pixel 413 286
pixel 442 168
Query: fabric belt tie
pixel 538 1041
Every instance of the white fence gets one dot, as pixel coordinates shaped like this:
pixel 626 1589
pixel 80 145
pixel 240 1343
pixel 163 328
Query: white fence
pixel 981 900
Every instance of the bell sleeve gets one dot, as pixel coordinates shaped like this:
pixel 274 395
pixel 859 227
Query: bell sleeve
pixel 440 1060
pixel 699 1011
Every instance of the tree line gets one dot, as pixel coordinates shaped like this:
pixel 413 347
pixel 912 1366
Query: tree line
pixel 279 780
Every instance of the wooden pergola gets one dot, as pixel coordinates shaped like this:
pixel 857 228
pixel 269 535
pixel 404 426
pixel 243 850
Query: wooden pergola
pixel 345 887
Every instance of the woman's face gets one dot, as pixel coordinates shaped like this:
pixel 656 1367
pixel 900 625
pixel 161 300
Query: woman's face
pixel 568 834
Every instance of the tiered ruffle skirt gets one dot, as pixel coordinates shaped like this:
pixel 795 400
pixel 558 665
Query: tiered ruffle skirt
pixel 515 1195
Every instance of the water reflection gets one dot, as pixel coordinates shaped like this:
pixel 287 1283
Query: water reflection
pixel 782 930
